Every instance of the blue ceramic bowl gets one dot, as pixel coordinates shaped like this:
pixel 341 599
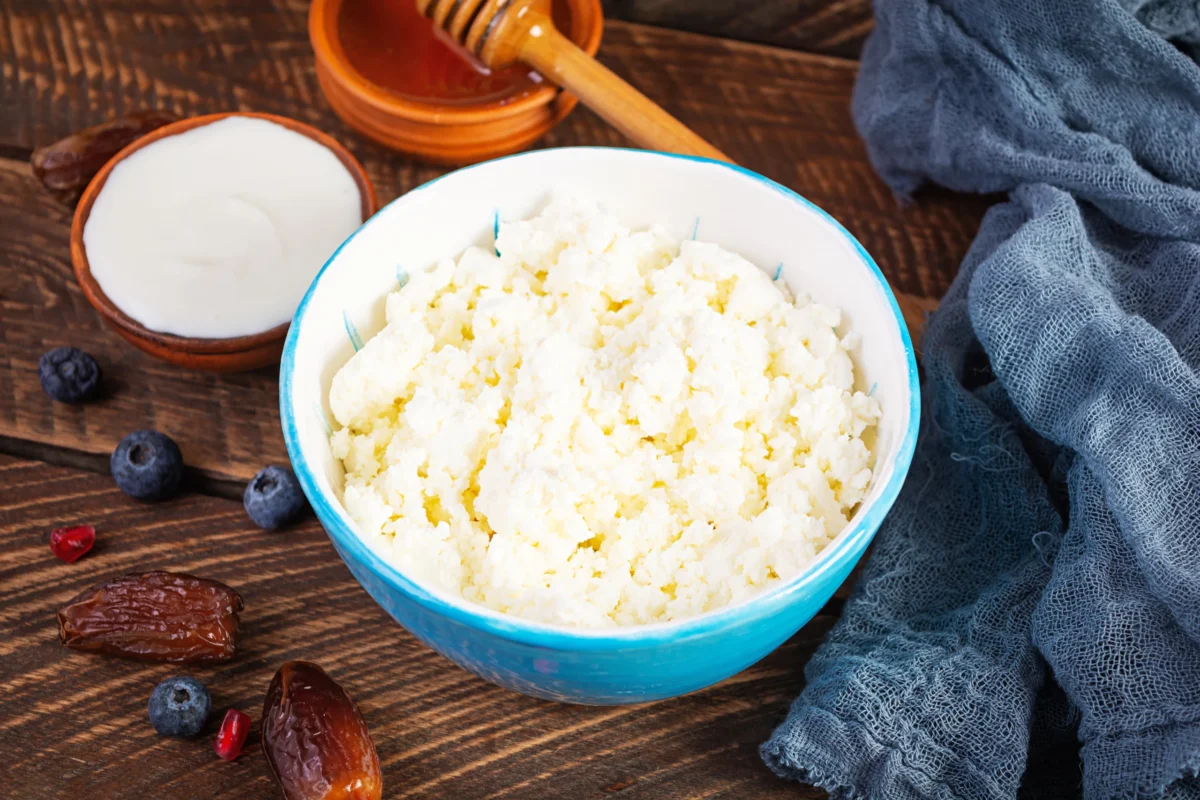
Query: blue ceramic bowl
pixel 751 215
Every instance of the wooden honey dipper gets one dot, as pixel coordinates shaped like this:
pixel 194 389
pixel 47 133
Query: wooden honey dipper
pixel 501 33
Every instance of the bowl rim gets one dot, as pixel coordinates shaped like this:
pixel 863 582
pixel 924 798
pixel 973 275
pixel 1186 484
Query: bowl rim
pixel 846 548
pixel 328 52
pixel 190 345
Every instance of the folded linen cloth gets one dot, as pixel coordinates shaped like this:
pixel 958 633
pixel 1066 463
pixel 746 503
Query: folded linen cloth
pixel 1038 581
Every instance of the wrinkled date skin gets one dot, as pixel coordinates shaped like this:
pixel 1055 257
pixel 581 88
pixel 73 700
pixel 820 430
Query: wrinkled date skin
pixel 154 616
pixel 66 167
pixel 315 741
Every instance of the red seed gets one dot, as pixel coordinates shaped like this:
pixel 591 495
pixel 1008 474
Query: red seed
pixel 71 543
pixel 232 735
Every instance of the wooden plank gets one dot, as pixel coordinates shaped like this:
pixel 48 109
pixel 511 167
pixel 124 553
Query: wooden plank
pixel 833 27
pixel 74 725
pixel 68 63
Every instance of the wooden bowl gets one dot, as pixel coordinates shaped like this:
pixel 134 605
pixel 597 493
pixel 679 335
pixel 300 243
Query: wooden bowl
pixel 236 354
pixel 442 134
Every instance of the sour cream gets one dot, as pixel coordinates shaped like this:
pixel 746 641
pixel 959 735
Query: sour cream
pixel 218 231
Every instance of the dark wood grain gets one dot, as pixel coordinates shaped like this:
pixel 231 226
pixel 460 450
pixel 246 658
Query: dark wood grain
pixel 74 725
pixel 833 27
pixel 70 63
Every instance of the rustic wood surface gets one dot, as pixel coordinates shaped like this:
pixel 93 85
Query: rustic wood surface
pixel 834 27
pixel 73 726
pixel 71 64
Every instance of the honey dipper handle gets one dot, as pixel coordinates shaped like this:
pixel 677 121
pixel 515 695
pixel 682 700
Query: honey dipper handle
pixel 625 108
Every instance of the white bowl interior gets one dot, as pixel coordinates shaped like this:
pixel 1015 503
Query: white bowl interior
pixel 767 224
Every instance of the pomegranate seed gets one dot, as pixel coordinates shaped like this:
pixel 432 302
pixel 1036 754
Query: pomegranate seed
pixel 71 543
pixel 232 735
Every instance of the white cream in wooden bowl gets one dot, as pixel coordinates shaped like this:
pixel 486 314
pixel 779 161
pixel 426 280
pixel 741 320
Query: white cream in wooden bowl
pixel 217 231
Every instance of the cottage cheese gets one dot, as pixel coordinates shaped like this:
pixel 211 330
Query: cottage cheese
pixel 601 427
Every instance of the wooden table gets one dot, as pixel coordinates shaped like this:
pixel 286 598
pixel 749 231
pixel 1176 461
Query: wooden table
pixel 75 726
pixel 832 27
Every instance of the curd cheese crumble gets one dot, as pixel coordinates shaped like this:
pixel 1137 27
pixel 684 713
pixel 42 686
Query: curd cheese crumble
pixel 601 426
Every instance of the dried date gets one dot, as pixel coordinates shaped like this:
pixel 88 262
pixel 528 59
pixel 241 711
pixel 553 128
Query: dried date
pixel 66 167
pixel 154 616
pixel 315 741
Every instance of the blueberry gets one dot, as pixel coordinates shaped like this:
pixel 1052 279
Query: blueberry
pixel 147 465
pixel 273 498
pixel 69 375
pixel 179 707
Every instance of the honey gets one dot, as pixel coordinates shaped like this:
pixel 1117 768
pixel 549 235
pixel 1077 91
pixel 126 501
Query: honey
pixel 397 50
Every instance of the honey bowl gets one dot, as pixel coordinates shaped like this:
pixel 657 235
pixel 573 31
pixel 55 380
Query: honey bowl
pixel 232 354
pixel 389 76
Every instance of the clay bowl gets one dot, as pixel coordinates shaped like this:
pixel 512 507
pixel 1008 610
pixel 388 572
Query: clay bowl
pixel 237 354
pixel 447 134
